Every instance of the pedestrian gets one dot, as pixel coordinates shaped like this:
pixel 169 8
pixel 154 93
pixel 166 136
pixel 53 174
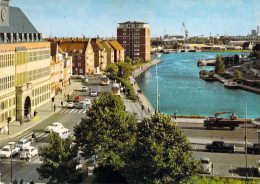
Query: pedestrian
pixel 61 91
pixel 21 182
pixel 15 181
pixel 54 107
pixel 21 122
pixel 32 182
pixel 175 115
pixel 34 137
pixel 61 103
pixel 68 96
pixel 27 158
pixel 148 110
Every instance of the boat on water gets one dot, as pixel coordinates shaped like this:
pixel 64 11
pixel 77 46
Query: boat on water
pixel 231 85
pixel 207 75
pixel 156 55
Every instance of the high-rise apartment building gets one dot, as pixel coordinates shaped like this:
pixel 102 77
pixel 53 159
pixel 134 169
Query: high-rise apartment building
pixel 135 38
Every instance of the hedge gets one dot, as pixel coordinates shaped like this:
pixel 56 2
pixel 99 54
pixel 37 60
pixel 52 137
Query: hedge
pixel 131 95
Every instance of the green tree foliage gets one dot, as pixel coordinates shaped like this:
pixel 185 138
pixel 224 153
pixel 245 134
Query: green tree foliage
pixel 107 131
pixel 220 66
pixel 238 75
pixel 128 60
pixel 58 163
pixel 162 153
pixel 113 70
pixel 125 69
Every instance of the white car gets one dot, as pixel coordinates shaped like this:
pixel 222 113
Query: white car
pixel 28 152
pixel 93 93
pixel 6 151
pixel 70 105
pixel 205 165
pixel 256 123
pixel 87 101
pixel 84 88
pixel 54 127
pixel 258 167
pixel 22 144
pixel 63 133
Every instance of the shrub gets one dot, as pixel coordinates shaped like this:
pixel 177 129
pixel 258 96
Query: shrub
pixel 131 94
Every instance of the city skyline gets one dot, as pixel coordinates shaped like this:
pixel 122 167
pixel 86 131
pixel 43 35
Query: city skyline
pixel 67 18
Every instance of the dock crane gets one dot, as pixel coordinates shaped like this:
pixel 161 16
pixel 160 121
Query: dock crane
pixel 185 31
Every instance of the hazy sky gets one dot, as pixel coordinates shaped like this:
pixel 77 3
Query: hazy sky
pixel 74 18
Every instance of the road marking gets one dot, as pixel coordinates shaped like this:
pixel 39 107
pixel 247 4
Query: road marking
pixel 81 111
pixel 63 110
pixel 67 110
pixel 72 111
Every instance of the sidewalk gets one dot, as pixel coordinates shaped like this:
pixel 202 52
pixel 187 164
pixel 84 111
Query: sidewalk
pixel 44 111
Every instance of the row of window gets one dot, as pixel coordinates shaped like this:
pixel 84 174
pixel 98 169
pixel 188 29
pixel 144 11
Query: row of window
pixel 39 73
pixel 74 57
pixel 7 103
pixel 38 55
pixel 41 90
pixel 6 60
pixel 41 99
pixel 5 115
pixel 21 58
pixel 6 82
pixel 134 29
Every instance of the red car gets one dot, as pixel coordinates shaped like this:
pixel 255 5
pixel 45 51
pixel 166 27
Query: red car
pixel 77 98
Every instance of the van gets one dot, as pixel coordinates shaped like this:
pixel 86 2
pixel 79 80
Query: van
pixel 64 133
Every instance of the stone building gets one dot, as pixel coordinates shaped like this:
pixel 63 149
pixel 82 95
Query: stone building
pixel 100 55
pixel 110 52
pixel 24 65
pixel 119 51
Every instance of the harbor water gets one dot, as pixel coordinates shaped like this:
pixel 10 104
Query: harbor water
pixel 182 90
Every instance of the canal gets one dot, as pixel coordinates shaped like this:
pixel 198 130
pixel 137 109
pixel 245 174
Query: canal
pixel 181 88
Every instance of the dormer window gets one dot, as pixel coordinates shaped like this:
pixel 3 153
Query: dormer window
pixel 74 51
pixel 80 51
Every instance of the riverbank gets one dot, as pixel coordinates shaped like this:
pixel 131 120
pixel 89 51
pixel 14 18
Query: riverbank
pixel 142 98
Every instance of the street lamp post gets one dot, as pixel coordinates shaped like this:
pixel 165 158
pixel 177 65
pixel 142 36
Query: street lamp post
pixel 11 144
pixel 8 122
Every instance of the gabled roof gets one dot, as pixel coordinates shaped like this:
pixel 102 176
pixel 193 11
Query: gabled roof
pixel 116 45
pixel 73 48
pixel 104 42
pixel 18 22
pixel 97 46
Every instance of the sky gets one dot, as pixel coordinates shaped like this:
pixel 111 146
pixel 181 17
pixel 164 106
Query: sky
pixel 74 18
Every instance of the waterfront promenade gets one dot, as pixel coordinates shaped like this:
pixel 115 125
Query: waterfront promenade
pixel 148 108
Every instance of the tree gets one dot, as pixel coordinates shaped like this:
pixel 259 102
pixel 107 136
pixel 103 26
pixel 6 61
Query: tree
pixel 113 70
pixel 220 66
pixel 58 160
pixel 238 75
pixel 125 69
pixel 128 60
pixel 107 131
pixel 162 153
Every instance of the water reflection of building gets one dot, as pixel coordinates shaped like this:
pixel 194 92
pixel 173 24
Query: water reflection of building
pixel 24 65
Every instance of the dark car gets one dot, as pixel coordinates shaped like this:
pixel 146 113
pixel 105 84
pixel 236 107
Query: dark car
pixel 220 146
pixel 255 148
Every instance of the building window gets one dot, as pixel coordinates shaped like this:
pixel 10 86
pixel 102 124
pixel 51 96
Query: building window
pixel 81 70
pixel 79 57
pixel 124 34
pixel 124 38
pixel 79 64
pixel 124 29
pixel 136 45
pixel 137 54
pixel 124 41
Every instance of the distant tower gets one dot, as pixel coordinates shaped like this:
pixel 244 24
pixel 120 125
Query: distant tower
pixel 257 30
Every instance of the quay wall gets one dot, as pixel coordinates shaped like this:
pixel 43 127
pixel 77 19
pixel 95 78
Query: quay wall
pixel 145 67
pixel 240 86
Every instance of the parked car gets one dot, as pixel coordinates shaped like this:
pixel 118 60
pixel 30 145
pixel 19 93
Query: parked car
pixel 220 146
pixel 256 123
pixel 6 151
pixel 77 98
pixel 205 165
pixel 22 144
pixel 70 105
pixel 54 126
pixel 254 148
pixel 81 105
pixel 84 88
pixel 93 93
pixel 87 101
pixel 28 152
pixel 258 167
pixel 85 80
